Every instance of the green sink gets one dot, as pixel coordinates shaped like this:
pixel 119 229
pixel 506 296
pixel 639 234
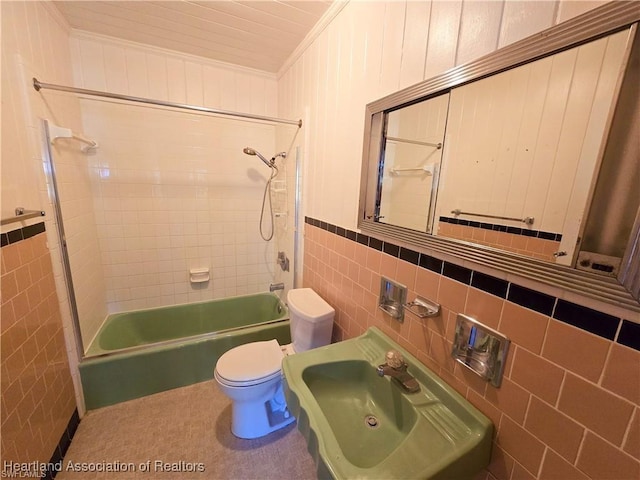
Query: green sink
pixel 360 425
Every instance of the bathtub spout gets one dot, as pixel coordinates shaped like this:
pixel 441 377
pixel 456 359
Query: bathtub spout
pixel 276 286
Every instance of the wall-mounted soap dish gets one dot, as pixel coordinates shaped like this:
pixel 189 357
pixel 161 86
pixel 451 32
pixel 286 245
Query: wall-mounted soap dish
pixel 423 308
pixel 392 299
pixel 480 348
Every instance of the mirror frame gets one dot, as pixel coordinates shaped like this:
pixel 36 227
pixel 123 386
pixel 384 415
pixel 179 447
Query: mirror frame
pixel 623 291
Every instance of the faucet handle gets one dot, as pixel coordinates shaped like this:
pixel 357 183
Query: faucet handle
pixel 394 359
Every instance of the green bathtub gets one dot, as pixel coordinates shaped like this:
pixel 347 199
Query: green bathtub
pixel 149 351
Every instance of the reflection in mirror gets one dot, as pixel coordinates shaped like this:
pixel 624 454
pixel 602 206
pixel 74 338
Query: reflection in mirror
pixel 520 156
pixel 411 163
pixel 525 144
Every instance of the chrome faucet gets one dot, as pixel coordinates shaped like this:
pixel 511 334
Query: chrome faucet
pixel 276 286
pixel 396 368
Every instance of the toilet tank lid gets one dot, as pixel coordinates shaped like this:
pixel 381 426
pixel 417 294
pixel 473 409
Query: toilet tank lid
pixel 250 361
pixel 308 303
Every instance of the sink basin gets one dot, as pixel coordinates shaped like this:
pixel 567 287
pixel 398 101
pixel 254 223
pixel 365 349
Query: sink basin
pixel 369 416
pixel 360 425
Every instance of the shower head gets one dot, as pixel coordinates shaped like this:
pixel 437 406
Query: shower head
pixel 269 163
pixel 251 151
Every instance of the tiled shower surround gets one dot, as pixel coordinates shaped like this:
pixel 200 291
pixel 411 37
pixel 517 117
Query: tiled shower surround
pixel 569 404
pixel 38 406
pixel 173 191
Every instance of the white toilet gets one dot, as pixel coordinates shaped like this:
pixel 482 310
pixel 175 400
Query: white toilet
pixel 251 374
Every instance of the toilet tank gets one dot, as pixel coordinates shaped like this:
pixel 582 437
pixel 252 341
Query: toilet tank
pixel 311 319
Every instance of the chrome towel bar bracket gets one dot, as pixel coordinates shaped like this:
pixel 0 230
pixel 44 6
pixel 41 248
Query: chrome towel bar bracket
pixel 22 214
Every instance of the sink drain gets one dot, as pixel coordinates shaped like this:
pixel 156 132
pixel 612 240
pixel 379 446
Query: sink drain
pixel 371 421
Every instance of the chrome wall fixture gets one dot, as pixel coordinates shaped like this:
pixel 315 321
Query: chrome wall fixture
pixel 392 298
pixel 22 214
pixel 423 308
pixel 480 348
pixel 393 301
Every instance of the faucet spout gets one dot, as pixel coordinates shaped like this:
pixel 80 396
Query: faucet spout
pixel 396 368
pixel 276 286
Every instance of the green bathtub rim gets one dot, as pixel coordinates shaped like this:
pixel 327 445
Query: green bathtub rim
pixel 95 351
pixel 177 342
pixel 120 377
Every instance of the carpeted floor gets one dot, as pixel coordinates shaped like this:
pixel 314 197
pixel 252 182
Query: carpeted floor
pixel 181 434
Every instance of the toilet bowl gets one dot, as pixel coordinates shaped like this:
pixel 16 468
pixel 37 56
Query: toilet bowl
pixel 251 376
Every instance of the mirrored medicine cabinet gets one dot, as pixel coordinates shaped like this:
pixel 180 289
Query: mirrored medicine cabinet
pixel 526 160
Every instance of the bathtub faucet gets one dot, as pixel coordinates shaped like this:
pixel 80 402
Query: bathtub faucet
pixel 276 286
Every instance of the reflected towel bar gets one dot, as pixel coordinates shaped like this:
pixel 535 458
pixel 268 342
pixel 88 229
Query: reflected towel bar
pixel 415 142
pixel 427 169
pixel 22 214
pixel 526 220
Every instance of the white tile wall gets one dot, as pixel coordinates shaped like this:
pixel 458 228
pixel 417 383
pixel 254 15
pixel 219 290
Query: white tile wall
pixel 174 190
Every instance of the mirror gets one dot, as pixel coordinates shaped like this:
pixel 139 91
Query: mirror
pixel 411 158
pixel 499 159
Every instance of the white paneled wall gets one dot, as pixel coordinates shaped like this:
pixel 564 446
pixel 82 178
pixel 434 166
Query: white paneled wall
pixel 107 64
pixel 372 49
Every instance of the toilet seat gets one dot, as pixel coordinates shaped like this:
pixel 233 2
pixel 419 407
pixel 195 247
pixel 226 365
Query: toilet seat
pixel 250 364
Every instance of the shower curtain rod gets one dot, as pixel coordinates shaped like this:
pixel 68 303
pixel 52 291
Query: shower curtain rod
pixel 96 93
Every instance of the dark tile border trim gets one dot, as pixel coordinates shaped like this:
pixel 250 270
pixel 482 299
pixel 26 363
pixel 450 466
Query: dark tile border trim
pixel 630 334
pixel 587 319
pixel 494 286
pixel 503 228
pixel 584 318
pixel 63 446
pixel 15 236
pixel 531 299
pixel 456 272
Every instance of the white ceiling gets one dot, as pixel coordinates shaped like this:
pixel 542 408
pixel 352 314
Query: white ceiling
pixel 258 34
